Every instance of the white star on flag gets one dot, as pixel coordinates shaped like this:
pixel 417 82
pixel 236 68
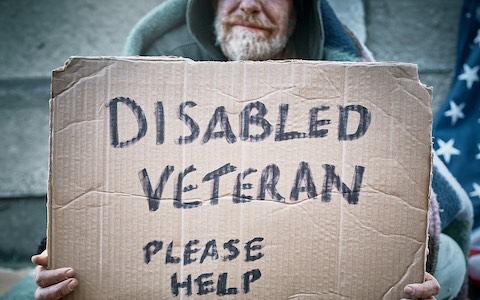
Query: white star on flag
pixel 478 155
pixel 469 75
pixel 447 150
pixel 477 38
pixel 476 190
pixel 455 112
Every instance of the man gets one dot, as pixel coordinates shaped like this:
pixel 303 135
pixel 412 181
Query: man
pixel 234 30
pixel 185 28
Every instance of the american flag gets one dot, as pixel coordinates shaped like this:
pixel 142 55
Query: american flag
pixel 456 127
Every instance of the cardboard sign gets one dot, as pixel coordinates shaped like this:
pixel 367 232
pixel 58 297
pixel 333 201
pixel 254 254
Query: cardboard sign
pixel 174 179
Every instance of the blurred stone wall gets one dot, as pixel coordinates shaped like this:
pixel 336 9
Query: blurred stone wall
pixel 38 36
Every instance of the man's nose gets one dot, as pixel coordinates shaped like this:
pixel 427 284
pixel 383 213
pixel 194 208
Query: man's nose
pixel 250 6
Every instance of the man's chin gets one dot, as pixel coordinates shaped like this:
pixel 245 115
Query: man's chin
pixel 247 43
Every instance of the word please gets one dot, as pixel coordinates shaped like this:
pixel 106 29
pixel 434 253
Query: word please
pixel 210 250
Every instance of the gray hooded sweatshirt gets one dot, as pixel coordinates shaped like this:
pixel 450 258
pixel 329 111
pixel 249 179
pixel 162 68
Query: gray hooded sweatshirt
pixel 185 28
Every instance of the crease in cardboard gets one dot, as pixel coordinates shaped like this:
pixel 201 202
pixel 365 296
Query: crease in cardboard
pixel 413 180
pixel 398 198
pixel 418 98
pixel 331 295
pixel 257 97
pixel 183 164
pixel 327 78
pixel 399 122
pixel 400 166
pixel 79 123
pixel 305 99
pixel 425 106
pixel 141 198
pixel 406 75
pixel 227 197
pixel 398 70
pixel 68 204
pixel 406 274
pixel 404 169
pixel 343 153
pixel 413 77
pixel 370 228
pixel 76 73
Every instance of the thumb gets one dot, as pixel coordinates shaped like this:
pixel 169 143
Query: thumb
pixel 41 259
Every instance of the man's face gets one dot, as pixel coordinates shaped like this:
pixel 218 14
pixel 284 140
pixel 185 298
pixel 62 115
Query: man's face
pixel 254 29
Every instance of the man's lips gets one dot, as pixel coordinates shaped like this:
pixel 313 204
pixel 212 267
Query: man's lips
pixel 250 26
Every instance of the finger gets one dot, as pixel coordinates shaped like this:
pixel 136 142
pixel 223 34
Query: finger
pixel 423 290
pixel 429 276
pixel 44 277
pixel 40 259
pixel 56 291
pixel 435 286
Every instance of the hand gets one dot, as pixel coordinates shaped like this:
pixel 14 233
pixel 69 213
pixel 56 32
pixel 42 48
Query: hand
pixel 426 290
pixel 52 284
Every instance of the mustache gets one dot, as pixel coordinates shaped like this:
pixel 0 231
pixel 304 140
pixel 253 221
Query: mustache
pixel 253 20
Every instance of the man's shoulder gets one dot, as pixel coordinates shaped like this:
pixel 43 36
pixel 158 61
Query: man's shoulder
pixel 178 42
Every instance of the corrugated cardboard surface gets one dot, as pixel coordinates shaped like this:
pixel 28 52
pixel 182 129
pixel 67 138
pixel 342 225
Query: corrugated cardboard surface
pixel 124 246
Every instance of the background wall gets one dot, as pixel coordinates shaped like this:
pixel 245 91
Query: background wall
pixel 38 36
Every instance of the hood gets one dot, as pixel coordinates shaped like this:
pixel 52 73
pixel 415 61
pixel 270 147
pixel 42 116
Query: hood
pixel 308 36
pixel 318 33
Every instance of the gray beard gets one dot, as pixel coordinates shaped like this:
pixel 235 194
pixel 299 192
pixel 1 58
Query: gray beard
pixel 247 45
